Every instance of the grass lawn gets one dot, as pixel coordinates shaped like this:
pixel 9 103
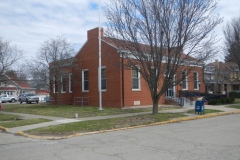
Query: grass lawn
pixel 105 124
pixel 237 101
pixel 234 106
pixel 206 111
pixel 8 117
pixel 17 123
pixel 67 111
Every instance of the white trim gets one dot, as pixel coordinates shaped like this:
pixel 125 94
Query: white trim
pixel 139 79
pixel 129 54
pixel 62 84
pixel 83 89
pixel 70 83
pixel 54 86
pixel 186 79
pixel 196 80
pixel 104 67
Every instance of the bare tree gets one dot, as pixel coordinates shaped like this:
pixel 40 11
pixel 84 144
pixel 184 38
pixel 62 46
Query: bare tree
pixel 154 34
pixel 9 55
pixel 232 41
pixel 53 60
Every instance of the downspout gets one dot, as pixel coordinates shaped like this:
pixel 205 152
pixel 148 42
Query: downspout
pixel 122 80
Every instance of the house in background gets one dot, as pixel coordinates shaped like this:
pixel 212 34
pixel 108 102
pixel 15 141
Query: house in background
pixel 120 88
pixel 220 77
pixel 42 95
pixel 14 87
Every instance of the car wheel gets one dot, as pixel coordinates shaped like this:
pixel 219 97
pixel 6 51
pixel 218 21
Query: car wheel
pixel 36 101
pixel 12 100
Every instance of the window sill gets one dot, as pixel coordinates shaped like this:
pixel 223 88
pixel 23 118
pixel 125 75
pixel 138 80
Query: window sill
pixel 136 90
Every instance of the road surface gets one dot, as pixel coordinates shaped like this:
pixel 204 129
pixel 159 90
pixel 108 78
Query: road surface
pixel 215 138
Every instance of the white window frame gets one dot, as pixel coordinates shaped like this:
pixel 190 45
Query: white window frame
pixel 54 86
pixel 197 80
pixel 63 76
pixel 70 83
pixel 103 67
pixel 139 80
pixel 186 80
pixel 83 80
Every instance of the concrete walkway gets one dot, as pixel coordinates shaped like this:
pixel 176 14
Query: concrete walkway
pixel 60 120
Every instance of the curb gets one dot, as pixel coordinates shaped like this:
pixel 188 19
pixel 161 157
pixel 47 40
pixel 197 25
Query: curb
pixel 4 129
pixel 124 128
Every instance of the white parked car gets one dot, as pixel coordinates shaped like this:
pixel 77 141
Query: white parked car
pixel 28 98
pixel 6 98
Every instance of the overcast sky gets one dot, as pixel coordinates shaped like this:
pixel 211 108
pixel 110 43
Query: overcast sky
pixel 28 23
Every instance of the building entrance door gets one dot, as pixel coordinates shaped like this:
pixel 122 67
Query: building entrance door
pixel 170 92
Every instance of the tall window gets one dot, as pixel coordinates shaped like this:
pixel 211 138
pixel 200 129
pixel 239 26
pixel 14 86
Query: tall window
pixel 85 80
pixel 104 78
pixel 184 80
pixel 135 79
pixel 55 86
pixel 70 82
pixel 195 79
pixel 64 83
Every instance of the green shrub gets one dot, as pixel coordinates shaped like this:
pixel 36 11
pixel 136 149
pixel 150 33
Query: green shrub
pixel 228 101
pixel 234 94
pixel 223 100
pixel 219 101
pixel 212 102
pixel 232 99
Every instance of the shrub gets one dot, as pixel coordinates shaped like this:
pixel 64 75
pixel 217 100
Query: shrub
pixel 212 102
pixel 219 101
pixel 223 101
pixel 234 94
pixel 232 99
pixel 228 101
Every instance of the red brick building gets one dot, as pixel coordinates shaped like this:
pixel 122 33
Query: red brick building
pixel 118 89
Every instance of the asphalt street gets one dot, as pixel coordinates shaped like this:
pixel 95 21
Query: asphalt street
pixel 203 139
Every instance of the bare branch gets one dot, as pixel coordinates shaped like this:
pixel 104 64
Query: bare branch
pixel 162 37
pixel 54 58
pixel 232 41
pixel 9 55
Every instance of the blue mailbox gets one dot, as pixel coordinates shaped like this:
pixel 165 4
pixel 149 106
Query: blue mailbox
pixel 199 107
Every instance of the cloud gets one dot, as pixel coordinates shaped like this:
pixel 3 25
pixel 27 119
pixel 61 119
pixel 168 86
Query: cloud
pixel 29 23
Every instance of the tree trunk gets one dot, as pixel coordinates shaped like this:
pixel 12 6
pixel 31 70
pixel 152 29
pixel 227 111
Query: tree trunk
pixel 155 108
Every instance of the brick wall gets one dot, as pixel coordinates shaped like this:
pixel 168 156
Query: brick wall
pixel 119 91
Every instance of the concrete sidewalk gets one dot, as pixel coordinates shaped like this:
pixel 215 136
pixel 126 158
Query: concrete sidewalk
pixel 60 120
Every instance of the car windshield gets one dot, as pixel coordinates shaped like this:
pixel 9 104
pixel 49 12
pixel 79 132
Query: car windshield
pixel 25 95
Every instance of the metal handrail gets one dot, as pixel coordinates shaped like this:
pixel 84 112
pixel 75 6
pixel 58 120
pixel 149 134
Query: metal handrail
pixel 81 100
